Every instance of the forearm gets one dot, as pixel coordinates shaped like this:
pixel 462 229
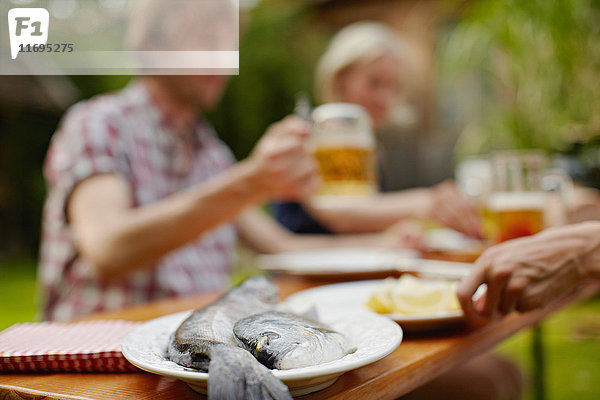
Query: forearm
pixel 376 213
pixel 133 238
pixel 264 235
pixel 589 235
pixel 574 246
pixel 304 242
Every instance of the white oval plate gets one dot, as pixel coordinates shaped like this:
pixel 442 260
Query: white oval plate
pixel 352 296
pixel 336 261
pixel 374 336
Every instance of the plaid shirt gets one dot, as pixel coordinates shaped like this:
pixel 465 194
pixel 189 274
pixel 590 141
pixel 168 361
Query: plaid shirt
pixel 126 134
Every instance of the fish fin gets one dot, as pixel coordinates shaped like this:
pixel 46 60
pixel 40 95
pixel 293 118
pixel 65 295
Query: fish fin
pixel 310 313
pixel 234 374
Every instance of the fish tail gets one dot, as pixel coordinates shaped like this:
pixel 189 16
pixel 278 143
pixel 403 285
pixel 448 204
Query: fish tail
pixel 233 374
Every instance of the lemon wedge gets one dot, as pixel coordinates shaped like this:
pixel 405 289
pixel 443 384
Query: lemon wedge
pixel 410 295
pixel 425 300
pixel 379 304
pixel 381 301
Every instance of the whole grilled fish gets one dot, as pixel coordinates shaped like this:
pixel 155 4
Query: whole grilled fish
pixel 205 341
pixel 284 341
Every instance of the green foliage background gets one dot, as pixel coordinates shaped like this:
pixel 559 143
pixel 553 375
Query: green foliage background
pixel 536 65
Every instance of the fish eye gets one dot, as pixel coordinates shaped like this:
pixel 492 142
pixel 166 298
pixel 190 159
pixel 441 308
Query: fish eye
pixel 271 335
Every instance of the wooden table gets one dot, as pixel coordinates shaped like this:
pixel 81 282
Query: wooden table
pixel 419 359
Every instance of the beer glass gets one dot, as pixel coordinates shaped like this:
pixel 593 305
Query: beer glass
pixel 345 153
pixel 526 196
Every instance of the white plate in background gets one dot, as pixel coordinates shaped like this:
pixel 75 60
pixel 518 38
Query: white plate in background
pixel 336 261
pixel 357 263
pixel 353 296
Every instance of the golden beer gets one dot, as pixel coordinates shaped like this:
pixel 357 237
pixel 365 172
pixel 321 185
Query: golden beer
pixel 346 170
pixel 510 215
pixel 345 153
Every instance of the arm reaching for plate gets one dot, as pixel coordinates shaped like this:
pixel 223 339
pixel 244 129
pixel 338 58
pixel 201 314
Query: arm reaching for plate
pixel 265 235
pixel 442 203
pixel 529 273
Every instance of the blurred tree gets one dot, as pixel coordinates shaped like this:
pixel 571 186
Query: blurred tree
pixel 28 118
pixel 24 138
pixel 534 66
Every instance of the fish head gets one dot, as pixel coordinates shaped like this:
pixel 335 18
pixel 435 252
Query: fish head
pixel 293 348
pixel 273 345
pixel 283 341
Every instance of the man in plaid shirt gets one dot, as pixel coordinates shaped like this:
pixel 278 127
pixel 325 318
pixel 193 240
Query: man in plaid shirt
pixel 142 197
pixel 145 202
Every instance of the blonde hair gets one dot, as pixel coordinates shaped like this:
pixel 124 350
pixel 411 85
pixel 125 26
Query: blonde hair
pixel 360 42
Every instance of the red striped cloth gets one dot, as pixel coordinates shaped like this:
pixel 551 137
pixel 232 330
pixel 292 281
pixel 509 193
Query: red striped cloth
pixel 93 346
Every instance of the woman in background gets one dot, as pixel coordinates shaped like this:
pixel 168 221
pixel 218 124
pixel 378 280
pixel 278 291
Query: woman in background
pixel 363 65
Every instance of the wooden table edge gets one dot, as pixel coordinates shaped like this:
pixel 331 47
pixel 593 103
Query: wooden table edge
pixel 485 341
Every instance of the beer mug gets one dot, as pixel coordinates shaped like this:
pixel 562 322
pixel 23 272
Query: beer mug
pixel 526 196
pixel 345 152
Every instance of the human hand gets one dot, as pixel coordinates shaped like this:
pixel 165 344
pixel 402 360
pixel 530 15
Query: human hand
pixel 528 273
pixel 454 209
pixel 283 164
pixel 404 234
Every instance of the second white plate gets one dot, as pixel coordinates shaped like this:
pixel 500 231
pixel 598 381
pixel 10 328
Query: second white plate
pixel 352 296
pixel 336 261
